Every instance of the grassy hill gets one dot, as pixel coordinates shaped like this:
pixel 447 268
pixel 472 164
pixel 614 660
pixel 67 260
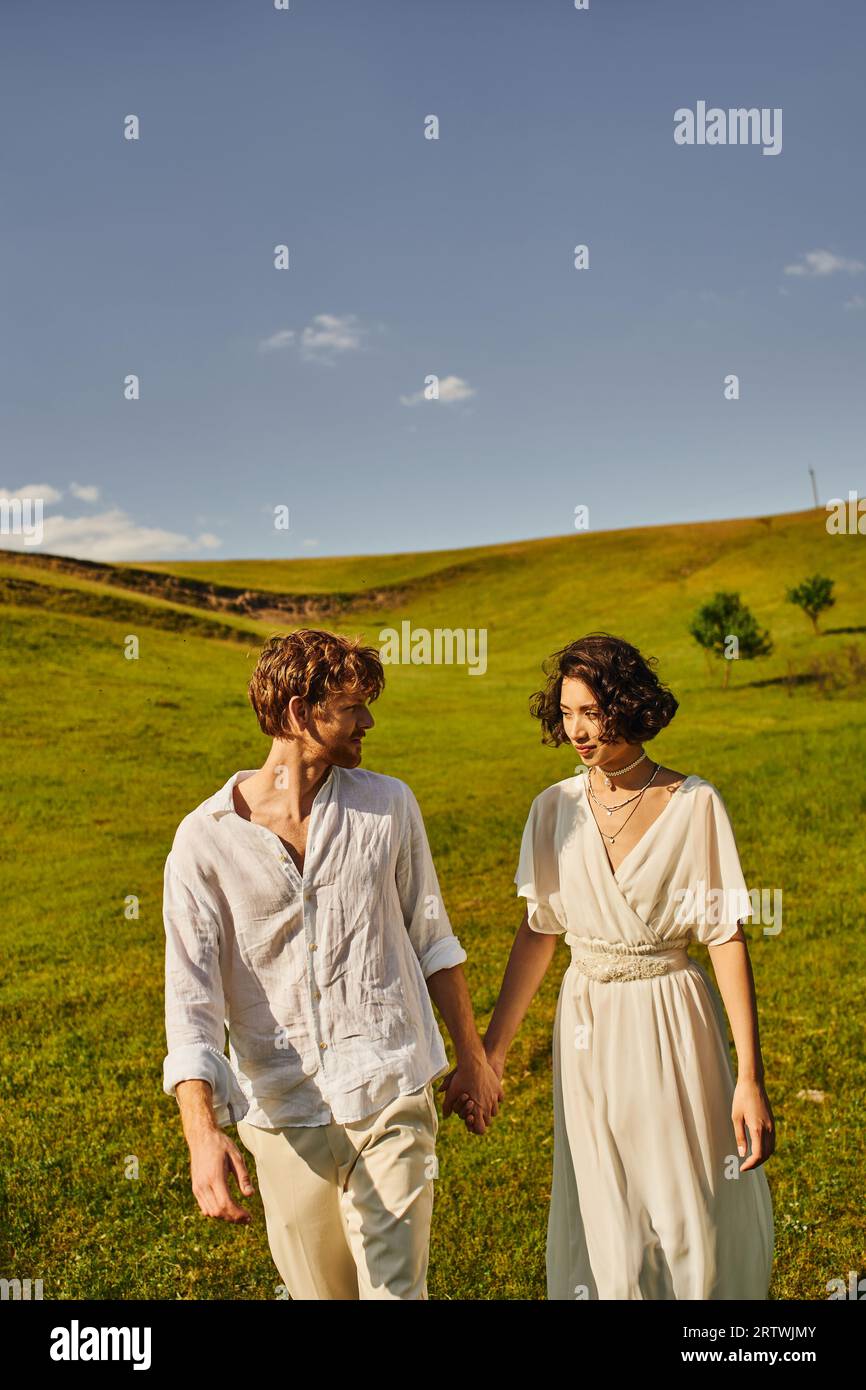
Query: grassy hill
pixel 104 756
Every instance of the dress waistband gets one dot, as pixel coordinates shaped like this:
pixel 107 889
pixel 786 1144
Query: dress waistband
pixel 614 960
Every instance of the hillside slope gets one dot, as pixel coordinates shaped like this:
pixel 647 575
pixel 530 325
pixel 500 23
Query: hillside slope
pixel 104 755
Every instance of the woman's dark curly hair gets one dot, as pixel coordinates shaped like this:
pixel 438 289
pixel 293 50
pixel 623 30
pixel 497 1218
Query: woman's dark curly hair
pixel 634 704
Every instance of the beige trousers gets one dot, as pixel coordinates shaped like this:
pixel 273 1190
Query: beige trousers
pixel 348 1207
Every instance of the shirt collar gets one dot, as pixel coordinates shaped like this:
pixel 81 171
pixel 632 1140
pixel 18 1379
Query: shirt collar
pixel 223 801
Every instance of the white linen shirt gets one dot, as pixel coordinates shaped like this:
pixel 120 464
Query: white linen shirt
pixel 319 977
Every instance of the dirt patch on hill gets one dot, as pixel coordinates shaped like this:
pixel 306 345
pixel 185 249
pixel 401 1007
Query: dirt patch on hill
pixel 261 604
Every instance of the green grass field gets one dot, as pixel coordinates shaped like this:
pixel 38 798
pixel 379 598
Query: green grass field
pixel 104 755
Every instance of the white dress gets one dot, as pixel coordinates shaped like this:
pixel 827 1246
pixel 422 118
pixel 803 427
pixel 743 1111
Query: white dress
pixel 647 1201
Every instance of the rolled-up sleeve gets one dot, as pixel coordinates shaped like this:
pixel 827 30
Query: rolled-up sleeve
pixel 194 999
pixel 430 931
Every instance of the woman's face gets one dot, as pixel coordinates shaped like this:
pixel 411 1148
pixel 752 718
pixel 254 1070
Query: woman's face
pixel 581 720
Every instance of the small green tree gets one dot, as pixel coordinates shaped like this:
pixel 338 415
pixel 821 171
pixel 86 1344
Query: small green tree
pixel 726 628
pixel 813 596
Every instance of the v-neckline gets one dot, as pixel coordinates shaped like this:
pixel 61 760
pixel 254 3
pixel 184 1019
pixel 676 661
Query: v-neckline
pixel 325 789
pixel 614 872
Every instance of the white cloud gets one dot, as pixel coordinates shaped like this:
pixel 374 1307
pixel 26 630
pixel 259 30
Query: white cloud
pixel 84 492
pixel 856 302
pixel 112 536
pixel 277 340
pixel 451 389
pixel 330 333
pixel 310 542
pixel 33 490
pixel 322 340
pixel 823 263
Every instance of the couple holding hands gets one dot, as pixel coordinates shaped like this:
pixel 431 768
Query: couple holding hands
pixel 303 912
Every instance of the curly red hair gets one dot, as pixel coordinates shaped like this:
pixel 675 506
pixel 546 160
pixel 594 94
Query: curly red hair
pixel 314 665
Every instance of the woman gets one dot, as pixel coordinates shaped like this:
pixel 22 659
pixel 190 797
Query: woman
pixel 630 862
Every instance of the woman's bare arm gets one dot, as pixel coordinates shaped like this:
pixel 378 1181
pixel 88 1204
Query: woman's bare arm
pixel 531 954
pixel 751 1108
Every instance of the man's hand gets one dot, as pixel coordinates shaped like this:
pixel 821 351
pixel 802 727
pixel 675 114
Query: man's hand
pixel 213 1157
pixel 473 1088
pixel 465 1106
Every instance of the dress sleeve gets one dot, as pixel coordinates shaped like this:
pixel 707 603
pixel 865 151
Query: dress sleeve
pixel 537 876
pixel 720 896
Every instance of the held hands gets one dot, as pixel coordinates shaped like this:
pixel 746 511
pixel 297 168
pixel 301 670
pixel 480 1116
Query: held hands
pixel 473 1090
pixel 751 1111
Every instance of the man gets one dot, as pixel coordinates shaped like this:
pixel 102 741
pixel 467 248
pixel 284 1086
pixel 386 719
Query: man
pixel 302 909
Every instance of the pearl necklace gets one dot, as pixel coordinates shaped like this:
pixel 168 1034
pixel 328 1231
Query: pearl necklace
pixel 617 770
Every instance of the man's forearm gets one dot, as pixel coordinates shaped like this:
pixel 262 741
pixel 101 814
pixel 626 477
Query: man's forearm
pixel 450 993
pixel 195 1099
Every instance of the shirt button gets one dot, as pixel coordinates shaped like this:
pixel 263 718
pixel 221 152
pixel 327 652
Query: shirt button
pixel 318 995
pixel 312 946
pixel 323 1046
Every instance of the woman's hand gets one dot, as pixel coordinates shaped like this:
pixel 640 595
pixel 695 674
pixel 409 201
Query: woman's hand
pixel 464 1104
pixel 751 1111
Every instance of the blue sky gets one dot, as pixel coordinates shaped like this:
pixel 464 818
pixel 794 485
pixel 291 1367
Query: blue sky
pixel 410 257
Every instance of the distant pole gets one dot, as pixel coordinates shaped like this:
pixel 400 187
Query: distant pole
pixel 814 487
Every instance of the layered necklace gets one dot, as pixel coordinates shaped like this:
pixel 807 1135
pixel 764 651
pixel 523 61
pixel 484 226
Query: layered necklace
pixel 619 807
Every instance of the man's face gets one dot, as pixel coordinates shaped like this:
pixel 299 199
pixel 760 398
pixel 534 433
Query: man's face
pixel 339 726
